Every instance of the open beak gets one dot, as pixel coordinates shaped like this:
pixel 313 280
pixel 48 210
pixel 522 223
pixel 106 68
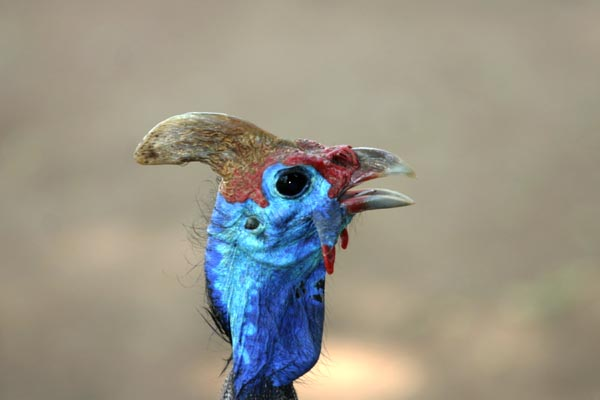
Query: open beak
pixel 375 163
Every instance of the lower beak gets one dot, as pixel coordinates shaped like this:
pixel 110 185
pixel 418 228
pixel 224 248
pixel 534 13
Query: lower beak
pixel 375 163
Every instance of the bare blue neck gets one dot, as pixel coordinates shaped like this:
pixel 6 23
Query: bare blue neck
pixel 269 297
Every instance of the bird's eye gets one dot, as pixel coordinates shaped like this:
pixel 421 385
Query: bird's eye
pixel 292 182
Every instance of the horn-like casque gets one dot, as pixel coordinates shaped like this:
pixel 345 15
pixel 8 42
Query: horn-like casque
pixel 235 149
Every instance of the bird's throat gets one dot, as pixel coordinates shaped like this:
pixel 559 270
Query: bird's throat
pixel 275 318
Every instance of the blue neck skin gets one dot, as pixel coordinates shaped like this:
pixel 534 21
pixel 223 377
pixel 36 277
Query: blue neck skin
pixel 266 279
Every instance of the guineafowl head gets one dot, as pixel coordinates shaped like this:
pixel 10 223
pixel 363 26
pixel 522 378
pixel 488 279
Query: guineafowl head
pixel 281 209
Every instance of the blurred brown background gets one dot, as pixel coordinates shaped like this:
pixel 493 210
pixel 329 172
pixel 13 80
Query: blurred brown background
pixel 487 288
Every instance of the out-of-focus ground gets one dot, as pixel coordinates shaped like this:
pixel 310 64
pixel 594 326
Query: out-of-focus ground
pixel 487 288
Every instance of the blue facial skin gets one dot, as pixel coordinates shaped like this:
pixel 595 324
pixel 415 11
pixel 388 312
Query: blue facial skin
pixel 267 279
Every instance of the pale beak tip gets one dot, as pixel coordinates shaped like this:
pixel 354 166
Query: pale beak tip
pixel 406 201
pixel 403 169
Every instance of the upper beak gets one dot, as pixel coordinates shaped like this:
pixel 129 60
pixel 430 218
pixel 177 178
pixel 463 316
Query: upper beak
pixel 375 163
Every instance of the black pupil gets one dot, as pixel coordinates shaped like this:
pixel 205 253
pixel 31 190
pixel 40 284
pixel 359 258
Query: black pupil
pixel 291 183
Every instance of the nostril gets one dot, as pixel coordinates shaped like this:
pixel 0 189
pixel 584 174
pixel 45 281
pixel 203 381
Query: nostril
pixel 344 157
pixel 340 159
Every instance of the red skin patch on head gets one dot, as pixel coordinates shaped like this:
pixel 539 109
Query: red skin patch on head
pixel 247 183
pixel 336 164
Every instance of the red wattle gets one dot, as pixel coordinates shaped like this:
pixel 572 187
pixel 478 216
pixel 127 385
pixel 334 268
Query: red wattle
pixel 328 257
pixel 345 238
